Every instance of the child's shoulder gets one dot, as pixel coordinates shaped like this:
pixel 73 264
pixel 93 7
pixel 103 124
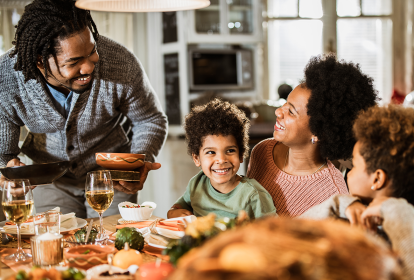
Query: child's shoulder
pixel 252 185
pixel 199 178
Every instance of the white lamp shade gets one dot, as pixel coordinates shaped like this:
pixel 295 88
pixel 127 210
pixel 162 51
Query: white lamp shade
pixel 141 5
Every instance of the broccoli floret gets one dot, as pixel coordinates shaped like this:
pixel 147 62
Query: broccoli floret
pixel 130 235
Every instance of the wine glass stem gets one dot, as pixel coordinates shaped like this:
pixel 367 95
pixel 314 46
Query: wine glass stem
pixel 101 225
pixel 19 248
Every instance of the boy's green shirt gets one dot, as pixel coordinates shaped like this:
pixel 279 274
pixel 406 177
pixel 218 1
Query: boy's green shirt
pixel 201 198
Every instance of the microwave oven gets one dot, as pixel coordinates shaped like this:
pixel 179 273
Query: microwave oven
pixel 220 69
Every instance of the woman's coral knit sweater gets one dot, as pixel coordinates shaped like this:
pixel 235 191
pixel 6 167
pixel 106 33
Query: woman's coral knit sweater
pixel 293 195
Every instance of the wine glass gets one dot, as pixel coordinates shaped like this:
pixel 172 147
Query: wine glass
pixel 17 202
pixel 99 194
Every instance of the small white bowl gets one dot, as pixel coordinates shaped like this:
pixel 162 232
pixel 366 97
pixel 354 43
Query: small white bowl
pixel 136 214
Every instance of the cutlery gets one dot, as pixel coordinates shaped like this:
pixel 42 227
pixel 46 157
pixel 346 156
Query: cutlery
pixel 88 231
pixel 4 238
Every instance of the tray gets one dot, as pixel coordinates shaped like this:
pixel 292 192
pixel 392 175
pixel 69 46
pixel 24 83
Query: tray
pixel 38 174
pixel 128 176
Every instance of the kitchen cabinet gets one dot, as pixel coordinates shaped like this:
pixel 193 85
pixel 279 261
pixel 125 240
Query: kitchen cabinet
pixel 224 24
pixel 226 21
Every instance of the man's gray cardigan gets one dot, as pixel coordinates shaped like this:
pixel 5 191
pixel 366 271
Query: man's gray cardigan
pixel 96 120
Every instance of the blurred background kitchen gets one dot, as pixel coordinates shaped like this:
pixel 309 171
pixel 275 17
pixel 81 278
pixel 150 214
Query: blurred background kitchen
pixel 251 53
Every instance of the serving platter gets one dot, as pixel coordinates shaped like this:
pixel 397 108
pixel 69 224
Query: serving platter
pixel 156 245
pixel 81 223
pixel 38 174
pixel 58 268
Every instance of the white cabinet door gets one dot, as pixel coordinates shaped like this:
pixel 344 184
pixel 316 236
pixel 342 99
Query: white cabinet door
pixel 226 21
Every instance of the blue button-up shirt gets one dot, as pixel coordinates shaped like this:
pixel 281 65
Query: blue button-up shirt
pixel 61 101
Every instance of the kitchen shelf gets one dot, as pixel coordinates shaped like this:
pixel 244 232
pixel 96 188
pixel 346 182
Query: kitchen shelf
pixel 210 8
pixel 240 8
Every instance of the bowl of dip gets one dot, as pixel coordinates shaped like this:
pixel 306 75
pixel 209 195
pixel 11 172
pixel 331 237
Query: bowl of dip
pixel 87 256
pixel 120 161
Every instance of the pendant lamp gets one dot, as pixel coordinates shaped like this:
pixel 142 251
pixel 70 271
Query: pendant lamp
pixel 141 5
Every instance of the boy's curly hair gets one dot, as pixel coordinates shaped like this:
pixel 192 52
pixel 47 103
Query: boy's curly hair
pixel 216 118
pixel 339 92
pixel 386 135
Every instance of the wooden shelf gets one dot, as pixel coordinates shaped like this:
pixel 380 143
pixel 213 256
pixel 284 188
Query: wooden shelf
pixel 240 8
pixel 210 8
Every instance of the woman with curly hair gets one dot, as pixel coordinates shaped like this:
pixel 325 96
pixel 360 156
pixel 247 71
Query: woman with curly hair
pixel 312 129
pixel 382 178
pixel 217 140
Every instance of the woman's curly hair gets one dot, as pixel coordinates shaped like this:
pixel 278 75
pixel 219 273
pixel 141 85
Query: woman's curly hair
pixel 43 24
pixel 386 135
pixel 216 118
pixel 339 91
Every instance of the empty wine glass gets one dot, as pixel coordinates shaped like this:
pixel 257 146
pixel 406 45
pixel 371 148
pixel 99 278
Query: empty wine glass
pixel 17 203
pixel 99 194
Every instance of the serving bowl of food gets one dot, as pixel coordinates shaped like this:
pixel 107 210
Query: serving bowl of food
pixel 86 256
pixel 53 273
pixel 135 212
pixel 79 238
pixel 120 161
pixel 37 174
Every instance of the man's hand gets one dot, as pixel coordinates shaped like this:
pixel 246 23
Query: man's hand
pixel 353 212
pixel 131 187
pixel 372 216
pixel 17 190
pixel 13 162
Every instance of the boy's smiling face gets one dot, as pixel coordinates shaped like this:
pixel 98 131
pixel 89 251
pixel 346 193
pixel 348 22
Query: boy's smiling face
pixel 220 160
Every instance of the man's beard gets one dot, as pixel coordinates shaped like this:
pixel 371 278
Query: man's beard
pixel 86 88
pixel 78 91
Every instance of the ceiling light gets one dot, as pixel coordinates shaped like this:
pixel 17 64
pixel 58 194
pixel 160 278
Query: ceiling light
pixel 141 5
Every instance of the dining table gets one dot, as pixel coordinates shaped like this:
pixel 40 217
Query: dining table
pixel 109 222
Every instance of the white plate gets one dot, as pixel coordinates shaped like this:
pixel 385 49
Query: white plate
pixel 81 223
pixel 94 272
pixel 157 246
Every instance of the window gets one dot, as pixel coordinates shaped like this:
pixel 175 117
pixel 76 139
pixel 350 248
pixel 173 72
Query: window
pixel 9 17
pixel 357 30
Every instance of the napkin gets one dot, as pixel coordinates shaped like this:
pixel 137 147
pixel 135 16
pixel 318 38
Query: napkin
pixel 67 221
pixel 171 228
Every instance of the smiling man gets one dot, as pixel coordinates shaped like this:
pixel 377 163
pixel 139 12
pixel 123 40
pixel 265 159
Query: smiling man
pixel 78 93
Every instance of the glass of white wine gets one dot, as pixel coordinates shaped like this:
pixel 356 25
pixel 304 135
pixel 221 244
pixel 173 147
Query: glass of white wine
pixel 99 194
pixel 17 203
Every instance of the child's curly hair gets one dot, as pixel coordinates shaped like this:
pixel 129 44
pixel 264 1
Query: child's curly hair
pixel 216 118
pixel 386 135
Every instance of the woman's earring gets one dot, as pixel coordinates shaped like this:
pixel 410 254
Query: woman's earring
pixel 373 188
pixel 313 140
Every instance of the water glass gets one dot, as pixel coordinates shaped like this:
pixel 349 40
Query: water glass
pixel 47 249
pixel 48 221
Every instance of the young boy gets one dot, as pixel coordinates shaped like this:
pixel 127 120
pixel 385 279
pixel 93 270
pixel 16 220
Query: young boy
pixel 217 139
